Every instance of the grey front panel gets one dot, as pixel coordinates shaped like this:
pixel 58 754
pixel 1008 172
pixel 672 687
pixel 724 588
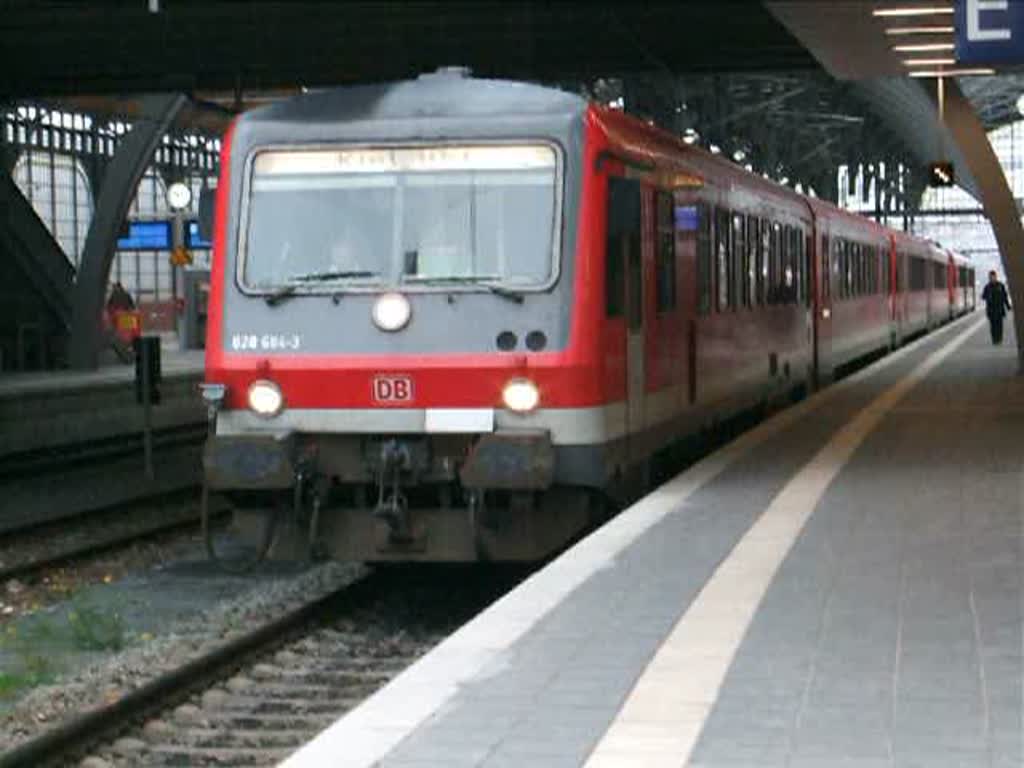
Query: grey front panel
pixel 442 322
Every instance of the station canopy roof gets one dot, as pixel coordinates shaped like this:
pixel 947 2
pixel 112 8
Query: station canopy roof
pixel 819 75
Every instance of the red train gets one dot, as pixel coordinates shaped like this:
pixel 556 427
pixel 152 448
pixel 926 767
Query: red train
pixel 449 316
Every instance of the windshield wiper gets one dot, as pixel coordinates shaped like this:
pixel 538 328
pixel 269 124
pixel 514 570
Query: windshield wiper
pixel 498 290
pixel 505 293
pixel 335 274
pixel 282 293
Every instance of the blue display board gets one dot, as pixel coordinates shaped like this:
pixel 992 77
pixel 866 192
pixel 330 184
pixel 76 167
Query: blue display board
pixel 146 236
pixel 989 31
pixel 193 239
pixel 156 236
pixel 686 218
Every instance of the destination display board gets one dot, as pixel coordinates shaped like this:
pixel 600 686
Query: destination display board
pixel 156 235
pixel 146 236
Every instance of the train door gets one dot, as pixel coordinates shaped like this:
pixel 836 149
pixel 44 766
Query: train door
pixel 624 220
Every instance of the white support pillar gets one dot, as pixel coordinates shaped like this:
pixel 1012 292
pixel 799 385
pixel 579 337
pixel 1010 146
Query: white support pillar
pixel 996 196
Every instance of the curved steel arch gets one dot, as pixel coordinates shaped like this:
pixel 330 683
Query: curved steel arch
pixel 130 161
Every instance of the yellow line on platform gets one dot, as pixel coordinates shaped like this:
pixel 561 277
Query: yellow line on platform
pixel 662 718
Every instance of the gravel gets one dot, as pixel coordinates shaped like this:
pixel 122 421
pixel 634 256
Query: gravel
pixel 169 616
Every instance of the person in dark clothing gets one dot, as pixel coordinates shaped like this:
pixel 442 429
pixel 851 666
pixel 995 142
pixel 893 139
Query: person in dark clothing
pixel 997 304
pixel 119 299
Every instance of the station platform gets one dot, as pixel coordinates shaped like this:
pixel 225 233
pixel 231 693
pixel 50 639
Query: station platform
pixel 49 410
pixel 72 440
pixel 841 586
pixel 174 363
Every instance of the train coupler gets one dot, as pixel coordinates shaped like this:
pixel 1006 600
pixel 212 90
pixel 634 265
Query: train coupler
pixel 392 505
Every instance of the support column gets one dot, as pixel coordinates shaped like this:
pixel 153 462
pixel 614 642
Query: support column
pixel 996 197
pixel 133 155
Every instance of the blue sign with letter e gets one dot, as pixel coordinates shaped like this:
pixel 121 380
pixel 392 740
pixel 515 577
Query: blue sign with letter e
pixel 989 31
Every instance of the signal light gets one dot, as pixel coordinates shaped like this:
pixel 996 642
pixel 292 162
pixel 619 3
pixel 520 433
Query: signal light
pixel 941 175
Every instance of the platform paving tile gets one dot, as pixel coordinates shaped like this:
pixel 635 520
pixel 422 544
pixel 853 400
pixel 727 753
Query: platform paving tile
pixel 600 638
pixel 838 666
pixel 942 758
pixel 919 607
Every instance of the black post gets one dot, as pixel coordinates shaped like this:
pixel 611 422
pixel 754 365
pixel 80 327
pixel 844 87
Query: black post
pixel 147 391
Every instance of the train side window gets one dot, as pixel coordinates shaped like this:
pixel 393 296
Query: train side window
pixel 764 261
pixel 825 273
pixel 775 264
pixel 739 259
pixel 808 267
pixel 798 265
pixel 869 271
pixel 882 265
pixel 852 266
pixel 795 257
pixel 723 276
pixel 840 270
pixel 847 270
pixel 837 266
pixel 753 246
pixel 865 270
pixel 918 281
pixel 665 274
pixel 785 274
pixel 878 270
pixel 858 270
pixel 857 278
pixel 865 252
pixel 703 259
pixel 872 265
pixel 623 225
pixel 790 276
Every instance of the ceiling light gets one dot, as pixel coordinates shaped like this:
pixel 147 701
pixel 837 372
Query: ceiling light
pixel 922 47
pixel 961 72
pixel 933 30
pixel 1020 104
pixel 929 62
pixel 927 10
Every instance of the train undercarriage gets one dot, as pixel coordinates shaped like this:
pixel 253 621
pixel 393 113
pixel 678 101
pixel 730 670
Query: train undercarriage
pixel 450 498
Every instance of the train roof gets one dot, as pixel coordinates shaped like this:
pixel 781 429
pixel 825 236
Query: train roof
pixel 443 94
pixel 450 93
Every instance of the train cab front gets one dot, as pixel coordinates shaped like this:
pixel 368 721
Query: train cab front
pixel 389 357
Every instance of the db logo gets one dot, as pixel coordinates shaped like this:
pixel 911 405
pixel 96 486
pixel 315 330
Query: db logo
pixel 392 389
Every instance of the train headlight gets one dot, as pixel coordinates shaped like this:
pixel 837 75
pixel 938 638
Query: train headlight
pixel 265 398
pixel 391 312
pixel 520 395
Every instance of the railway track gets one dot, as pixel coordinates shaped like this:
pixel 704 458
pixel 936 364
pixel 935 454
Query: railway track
pixel 24 554
pixel 59 505
pixel 48 461
pixel 254 699
pixel 57 485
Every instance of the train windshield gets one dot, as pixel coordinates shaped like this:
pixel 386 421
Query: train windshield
pixel 403 216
